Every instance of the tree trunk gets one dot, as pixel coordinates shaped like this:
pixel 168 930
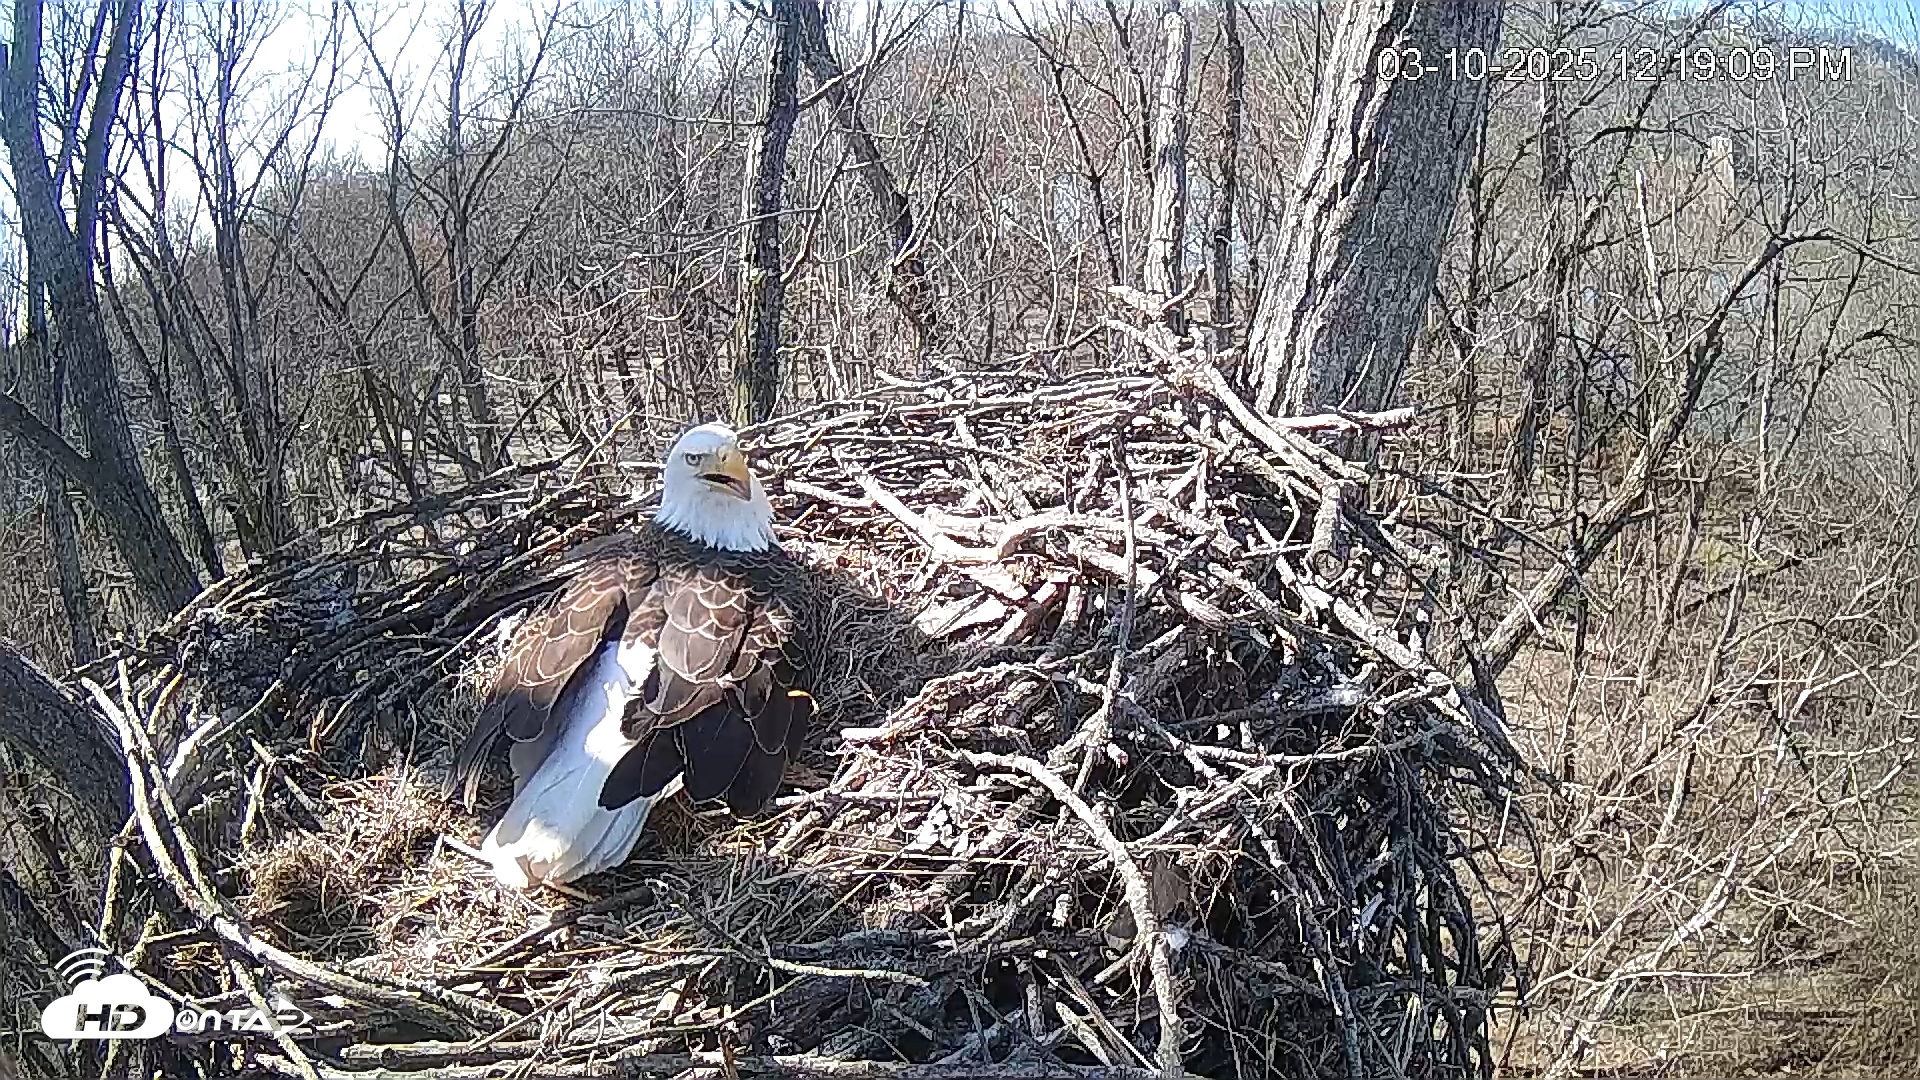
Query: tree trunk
pixel 44 724
pixel 63 529
pixel 1229 193
pixel 63 532
pixel 756 373
pixel 1550 297
pixel 49 379
pixel 110 473
pixel 458 226
pixel 1372 199
pixel 910 290
pixel 1166 232
pixel 261 508
pixel 49 739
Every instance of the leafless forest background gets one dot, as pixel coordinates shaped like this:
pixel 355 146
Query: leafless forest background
pixel 1667 381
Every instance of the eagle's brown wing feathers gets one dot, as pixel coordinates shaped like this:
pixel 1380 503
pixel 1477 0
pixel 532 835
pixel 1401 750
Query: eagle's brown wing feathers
pixel 721 704
pixel 549 649
pixel 721 700
pixel 709 611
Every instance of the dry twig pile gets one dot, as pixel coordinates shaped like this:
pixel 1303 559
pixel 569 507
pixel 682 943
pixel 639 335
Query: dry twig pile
pixel 1123 768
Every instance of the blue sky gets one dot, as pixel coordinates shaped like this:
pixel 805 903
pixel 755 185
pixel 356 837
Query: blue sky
pixel 1895 20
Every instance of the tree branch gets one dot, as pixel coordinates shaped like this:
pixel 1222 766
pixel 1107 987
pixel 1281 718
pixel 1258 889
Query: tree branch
pixel 18 421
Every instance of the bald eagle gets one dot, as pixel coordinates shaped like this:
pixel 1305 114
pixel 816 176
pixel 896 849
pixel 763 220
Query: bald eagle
pixel 669 657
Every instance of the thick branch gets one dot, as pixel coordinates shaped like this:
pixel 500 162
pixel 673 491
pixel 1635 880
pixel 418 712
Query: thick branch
pixel 46 725
pixel 18 421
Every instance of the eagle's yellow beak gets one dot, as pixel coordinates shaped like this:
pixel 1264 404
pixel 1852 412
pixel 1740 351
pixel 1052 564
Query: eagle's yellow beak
pixel 728 471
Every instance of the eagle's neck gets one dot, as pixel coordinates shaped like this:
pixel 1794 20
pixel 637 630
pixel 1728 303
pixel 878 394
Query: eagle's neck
pixel 717 519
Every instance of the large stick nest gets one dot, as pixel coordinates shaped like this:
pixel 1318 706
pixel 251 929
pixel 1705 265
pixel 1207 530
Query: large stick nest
pixel 1130 756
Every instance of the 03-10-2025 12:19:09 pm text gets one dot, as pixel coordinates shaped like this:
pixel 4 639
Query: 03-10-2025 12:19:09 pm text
pixel 1761 63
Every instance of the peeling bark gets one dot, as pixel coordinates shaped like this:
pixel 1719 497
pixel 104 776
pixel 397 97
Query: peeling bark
pixel 1372 200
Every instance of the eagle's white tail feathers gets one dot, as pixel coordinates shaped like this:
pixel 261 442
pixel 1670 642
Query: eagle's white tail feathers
pixel 555 830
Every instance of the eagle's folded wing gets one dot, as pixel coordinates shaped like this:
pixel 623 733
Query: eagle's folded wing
pixel 548 651
pixel 721 704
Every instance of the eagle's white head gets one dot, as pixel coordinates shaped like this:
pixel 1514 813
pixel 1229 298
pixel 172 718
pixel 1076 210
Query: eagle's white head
pixel 707 492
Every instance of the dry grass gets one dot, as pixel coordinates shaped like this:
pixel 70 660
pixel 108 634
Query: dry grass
pixel 1729 859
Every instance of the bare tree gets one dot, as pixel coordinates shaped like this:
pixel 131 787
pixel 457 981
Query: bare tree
pixel 1674 494
pixel 1167 231
pixel 756 373
pixel 452 281
pixel 1695 362
pixel 1555 276
pixel 909 288
pixel 109 470
pixel 213 306
pixel 1228 193
pixel 1361 238
pixel 63 524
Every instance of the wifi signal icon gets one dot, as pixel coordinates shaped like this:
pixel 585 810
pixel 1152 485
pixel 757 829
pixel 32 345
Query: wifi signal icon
pixel 83 965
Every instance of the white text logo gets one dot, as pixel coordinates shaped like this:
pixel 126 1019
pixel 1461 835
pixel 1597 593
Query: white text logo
pixel 120 1006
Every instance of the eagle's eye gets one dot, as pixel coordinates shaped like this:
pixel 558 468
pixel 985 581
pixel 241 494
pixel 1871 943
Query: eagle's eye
pixel 692 459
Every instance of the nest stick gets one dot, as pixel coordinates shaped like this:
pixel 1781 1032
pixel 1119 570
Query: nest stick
pixel 1139 900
